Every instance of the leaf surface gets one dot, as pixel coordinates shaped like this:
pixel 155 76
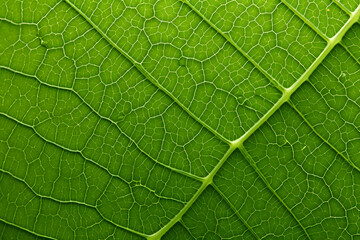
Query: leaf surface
pixel 180 119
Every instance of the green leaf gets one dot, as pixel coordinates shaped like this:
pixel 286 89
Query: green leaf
pixel 188 119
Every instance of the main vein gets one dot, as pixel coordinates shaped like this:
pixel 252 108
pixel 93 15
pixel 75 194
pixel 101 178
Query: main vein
pixel 332 42
pixel 238 143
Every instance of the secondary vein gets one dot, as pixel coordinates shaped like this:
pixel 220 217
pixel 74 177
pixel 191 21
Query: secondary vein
pixel 257 170
pixel 146 74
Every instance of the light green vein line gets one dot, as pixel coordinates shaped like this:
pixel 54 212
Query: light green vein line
pixel 331 44
pixel 32 127
pixel 187 174
pixel 232 42
pixel 62 147
pixel 351 163
pixel 182 223
pixel 257 170
pixel 16 23
pixel 43 196
pixel 307 22
pixel 26 230
pixel 349 52
pixel 235 210
pixel 74 202
pixel 145 73
pixel 89 160
pixel 208 180
pixel 238 142
pixel 289 91
pixel 347 11
pixel 286 96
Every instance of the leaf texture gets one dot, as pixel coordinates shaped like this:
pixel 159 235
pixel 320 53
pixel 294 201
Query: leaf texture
pixel 190 119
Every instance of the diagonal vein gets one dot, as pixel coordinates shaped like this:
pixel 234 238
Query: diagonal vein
pixel 181 222
pixel 43 196
pixel 187 174
pixel 331 44
pixel 26 230
pixel 347 159
pixel 87 159
pixel 350 53
pixel 235 210
pixel 306 21
pixel 144 72
pixel 337 3
pixel 232 42
pixel 239 142
pixel 289 91
pixel 70 202
pixel 207 181
pixel 257 170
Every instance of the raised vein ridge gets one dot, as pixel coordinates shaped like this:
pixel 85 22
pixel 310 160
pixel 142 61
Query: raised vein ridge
pixel 285 97
pixel 144 72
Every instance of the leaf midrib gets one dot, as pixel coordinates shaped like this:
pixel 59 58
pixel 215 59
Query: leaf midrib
pixel 285 97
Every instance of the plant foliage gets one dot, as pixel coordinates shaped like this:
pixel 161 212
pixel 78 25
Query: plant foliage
pixel 179 119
